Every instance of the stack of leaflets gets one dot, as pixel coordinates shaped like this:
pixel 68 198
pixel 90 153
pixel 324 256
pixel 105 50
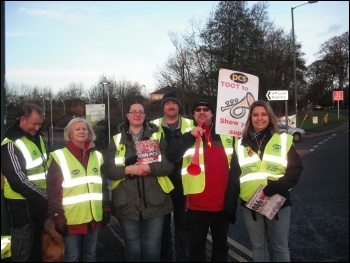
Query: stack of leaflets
pixel 265 205
pixel 147 151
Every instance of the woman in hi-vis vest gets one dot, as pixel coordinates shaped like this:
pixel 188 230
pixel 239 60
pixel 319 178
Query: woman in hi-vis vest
pixel 77 192
pixel 265 157
pixel 137 168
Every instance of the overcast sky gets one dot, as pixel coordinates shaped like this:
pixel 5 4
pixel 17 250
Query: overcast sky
pixel 55 43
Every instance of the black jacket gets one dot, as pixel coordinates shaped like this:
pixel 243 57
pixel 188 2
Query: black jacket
pixel 13 167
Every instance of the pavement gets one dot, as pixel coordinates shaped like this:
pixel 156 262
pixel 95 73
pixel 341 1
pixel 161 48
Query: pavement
pixel 110 246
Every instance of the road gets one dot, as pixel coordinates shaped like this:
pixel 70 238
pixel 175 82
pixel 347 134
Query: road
pixel 320 221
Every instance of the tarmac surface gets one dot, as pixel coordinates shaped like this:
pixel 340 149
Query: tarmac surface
pixel 110 247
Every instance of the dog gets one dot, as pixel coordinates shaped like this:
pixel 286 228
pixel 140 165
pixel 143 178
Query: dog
pixel 52 244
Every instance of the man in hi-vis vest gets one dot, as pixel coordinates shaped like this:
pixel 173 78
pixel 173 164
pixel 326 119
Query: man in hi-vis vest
pixel 205 192
pixel 170 124
pixel 23 164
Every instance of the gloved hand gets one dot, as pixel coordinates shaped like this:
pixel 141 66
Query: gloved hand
pixel 231 217
pixel 61 228
pixel 271 189
pixel 105 219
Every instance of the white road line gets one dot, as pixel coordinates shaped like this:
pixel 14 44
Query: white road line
pixel 238 246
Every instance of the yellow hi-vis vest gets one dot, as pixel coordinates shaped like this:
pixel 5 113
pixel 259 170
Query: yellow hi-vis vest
pixel 36 165
pixel 186 125
pixel 196 184
pixel 119 160
pixel 5 247
pixel 82 189
pixel 272 166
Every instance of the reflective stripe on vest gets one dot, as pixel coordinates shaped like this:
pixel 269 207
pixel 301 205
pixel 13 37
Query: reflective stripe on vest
pixel 196 184
pixel 82 189
pixel 119 160
pixel 30 162
pixel 186 125
pixel 5 247
pixel 272 166
pixel 35 165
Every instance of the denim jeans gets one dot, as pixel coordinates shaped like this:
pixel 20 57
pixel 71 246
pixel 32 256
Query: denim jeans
pixel 264 230
pixel 81 247
pixel 142 239
pixel 199 224
pixel 26 242
pixel 167 244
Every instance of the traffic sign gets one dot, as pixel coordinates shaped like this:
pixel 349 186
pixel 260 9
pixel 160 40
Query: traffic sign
pixel 277 95
pixel 338 95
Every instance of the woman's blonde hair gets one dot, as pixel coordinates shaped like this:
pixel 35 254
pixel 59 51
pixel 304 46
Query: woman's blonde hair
pixel 68 130
pixel 272 117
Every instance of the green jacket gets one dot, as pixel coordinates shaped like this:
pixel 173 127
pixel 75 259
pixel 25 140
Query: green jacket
pixel 137 195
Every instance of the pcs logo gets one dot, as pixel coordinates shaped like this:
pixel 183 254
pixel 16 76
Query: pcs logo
pixel 239 78
pixel 75 172
pixel 277 147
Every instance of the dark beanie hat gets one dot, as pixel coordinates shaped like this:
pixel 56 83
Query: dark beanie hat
pixel 170 96
pixel 204 102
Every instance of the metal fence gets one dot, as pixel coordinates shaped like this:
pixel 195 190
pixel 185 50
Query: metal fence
pixel 55 140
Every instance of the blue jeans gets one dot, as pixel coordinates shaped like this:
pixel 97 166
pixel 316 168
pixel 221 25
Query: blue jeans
pixel 263 229
pixel 26 242
pixel 81 247
pixel 142 239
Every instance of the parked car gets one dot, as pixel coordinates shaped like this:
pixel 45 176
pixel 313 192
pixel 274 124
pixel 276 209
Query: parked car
pixel 318 107
pixel 298 134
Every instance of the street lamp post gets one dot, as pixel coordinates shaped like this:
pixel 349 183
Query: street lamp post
pixel 42 96
pixel 122 90
pixel 294 62
pixel 51 125
pixel 105 83
pixel 143 86
pixel 64 109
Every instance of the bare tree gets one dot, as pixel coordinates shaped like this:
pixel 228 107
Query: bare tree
pixel 335 53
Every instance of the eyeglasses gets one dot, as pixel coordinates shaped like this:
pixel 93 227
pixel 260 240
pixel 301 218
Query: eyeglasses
pixel 201 109
pixel 136 113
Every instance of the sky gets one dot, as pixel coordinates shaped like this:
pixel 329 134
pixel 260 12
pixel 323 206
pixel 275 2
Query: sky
pixel 51 44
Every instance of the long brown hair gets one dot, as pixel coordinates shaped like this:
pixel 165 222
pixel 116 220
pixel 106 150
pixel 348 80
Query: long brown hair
pixel 272 117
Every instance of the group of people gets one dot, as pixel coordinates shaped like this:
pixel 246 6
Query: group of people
pixel 72 185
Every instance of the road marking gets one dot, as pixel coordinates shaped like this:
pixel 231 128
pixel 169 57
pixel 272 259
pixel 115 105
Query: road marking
pixel 115 221
pixel 233 254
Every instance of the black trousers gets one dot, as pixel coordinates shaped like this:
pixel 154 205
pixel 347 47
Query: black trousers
pixel 199 224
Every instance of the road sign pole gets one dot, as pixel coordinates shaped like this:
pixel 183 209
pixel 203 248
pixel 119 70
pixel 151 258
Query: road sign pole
pixel 338 109
pixel 286 109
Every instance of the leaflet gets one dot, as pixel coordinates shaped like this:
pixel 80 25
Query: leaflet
pixel 267 206
pixel 147 151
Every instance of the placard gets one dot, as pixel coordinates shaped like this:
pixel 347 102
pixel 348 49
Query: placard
pixel 236 92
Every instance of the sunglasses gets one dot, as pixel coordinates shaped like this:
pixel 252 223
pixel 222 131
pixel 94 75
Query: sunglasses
pixel 201 109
